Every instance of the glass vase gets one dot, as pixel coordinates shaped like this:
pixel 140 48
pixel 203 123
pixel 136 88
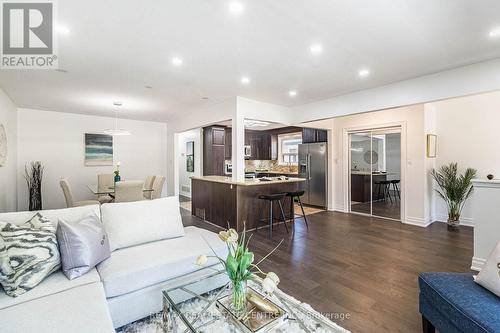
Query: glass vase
pixel 239 296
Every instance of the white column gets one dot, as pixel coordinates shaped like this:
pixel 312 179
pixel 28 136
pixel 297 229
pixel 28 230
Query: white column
pixel 486 215
pixel 238 153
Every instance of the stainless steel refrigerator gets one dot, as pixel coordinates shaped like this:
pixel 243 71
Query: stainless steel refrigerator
pixel 313 166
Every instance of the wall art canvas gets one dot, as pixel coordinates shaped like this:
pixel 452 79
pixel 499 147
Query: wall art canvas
pixel 98 149
pixel 190 156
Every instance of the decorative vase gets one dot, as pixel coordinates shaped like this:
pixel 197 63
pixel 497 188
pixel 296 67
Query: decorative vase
pixel 117 178
pixel 239 296
pixel 453 223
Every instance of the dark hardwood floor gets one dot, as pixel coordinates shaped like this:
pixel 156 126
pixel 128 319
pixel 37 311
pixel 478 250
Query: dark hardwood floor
pixel 364 268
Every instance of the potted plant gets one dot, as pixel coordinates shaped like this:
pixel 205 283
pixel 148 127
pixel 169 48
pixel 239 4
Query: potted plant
pixel 454 188
pixel 239 266
pixel 117 173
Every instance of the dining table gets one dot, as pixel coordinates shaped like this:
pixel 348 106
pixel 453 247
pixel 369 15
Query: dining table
pixel 94 188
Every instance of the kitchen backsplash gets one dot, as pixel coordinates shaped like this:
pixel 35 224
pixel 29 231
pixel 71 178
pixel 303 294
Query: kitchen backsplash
pixel 252 165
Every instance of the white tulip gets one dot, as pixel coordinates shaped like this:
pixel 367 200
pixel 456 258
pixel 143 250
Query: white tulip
pixel 274 277
pixel 202 260
pixel 233 235
pixel 268 285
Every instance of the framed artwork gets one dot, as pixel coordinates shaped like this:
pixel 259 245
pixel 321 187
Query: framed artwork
pixel 431 145
pixel 98 149
pixel 190 156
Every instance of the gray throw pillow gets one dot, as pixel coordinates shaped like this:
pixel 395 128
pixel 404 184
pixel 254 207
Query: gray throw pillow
pixel 28 254
pixel 83 244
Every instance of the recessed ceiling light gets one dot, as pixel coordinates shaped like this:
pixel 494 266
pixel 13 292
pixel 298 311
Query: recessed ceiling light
pixel 245 80
pixel 495 33
pixel 148 87
pixel 236 7
pixel 204 98
pixel 117 103
pixel 364 72
pixel 292 93
pixel 316 49
pixel 62 29
pixel 177 61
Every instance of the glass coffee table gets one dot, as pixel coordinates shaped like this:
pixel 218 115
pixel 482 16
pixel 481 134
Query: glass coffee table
pixel 188 308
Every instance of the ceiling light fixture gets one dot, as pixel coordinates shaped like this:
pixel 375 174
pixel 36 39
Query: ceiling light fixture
pixel 245 80
pixel 116 131
pixel 316 49
pixel 256 123
pixel 236 7
pixel 177 61
pixel 292 93
pixel 495 33
pixel 364 72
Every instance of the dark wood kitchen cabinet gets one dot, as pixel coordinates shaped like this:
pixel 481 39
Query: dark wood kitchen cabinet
pixel 229 143
pixel 213 151
pixel 260 144
pixel 312 135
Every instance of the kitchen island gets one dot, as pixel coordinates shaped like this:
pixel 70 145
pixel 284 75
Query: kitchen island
pixel 224 202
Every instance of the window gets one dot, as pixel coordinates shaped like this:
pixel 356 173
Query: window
pixel 288 148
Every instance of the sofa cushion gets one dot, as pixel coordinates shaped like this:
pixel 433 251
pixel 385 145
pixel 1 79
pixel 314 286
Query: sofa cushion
pixel 83 244
pixel 28 254
pixel 453 302
pixel 53 215
pixel 78 310
pixel 141 266
pixel 489 276
pixel 133 223
pixel 54 283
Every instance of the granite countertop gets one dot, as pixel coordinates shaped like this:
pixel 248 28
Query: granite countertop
pixel 247 182
pixel 276 172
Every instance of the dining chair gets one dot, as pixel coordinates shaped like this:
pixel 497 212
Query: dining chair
pixel 157 187
pixel 149 186
pixel 129 190
pixel 68 195
pixel 104 182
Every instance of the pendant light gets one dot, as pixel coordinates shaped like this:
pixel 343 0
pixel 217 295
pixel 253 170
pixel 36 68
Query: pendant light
pixel 116 131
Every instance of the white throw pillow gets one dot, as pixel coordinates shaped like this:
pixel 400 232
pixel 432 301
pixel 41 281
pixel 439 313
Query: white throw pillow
pixel 489 277
pixel 133 223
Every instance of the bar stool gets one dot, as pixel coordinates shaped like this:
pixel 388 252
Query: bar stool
pixel 395 186
pixel 384 186
pixel 292 196
pixel 273 198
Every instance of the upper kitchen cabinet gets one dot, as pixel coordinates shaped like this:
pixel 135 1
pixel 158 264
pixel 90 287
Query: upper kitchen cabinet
pixel 312 135
pixel 260 144
pixel 229 143
pixel 213 151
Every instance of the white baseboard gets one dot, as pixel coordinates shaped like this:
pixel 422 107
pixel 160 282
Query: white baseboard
pixel 477 263
pixel 417 221
pixel 466 221
pixel 338 208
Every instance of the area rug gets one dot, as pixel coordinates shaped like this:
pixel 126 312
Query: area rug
pixel 153 324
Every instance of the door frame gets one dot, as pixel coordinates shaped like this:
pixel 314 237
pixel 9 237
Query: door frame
pixel 346 157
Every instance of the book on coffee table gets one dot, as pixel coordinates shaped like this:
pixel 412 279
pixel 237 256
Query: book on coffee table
pixel 255 320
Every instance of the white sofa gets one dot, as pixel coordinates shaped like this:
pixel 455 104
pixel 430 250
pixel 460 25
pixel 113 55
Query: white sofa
pixel 124 288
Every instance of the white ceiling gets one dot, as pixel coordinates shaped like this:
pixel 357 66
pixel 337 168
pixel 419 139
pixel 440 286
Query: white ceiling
pixel 116 48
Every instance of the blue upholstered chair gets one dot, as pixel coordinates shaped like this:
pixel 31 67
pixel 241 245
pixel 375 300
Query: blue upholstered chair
pixel 453 302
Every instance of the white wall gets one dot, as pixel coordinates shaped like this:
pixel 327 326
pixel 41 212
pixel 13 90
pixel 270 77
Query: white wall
pixel 413 147
pixel 468 133
pixel 8 186
pixel 57 140
pixel 184 176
